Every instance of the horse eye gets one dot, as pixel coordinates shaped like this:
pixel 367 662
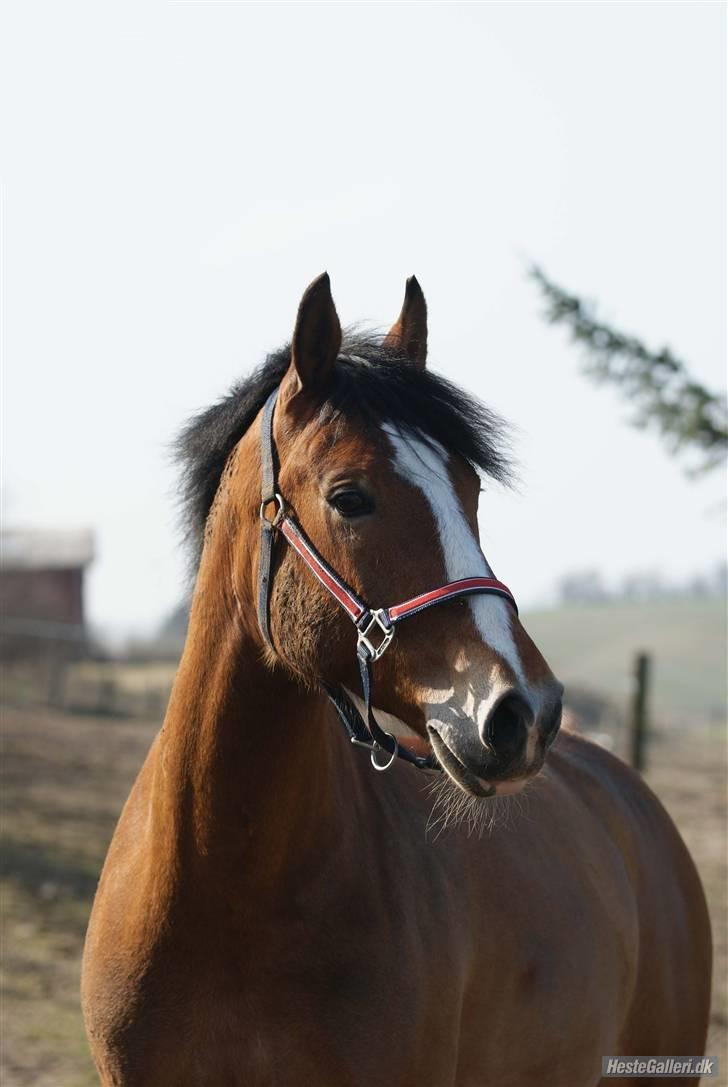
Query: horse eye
pixel 350 503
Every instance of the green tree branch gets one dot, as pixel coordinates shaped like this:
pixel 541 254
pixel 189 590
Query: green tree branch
pixel 658 385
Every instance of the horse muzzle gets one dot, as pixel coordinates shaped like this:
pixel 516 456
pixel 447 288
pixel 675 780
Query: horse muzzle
pixel 505 749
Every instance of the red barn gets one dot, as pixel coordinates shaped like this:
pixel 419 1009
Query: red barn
pixel 41 591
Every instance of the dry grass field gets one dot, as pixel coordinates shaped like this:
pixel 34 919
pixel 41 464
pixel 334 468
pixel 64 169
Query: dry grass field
pixel 65 778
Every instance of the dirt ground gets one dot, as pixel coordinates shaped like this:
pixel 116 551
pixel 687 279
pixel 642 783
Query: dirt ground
pixel 64 780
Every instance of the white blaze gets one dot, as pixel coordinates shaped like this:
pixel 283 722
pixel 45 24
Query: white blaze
pixel 424 464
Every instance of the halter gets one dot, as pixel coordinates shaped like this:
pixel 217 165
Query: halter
pixel 375 627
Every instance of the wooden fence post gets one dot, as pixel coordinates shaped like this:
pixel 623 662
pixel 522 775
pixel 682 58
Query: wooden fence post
pixel 639 719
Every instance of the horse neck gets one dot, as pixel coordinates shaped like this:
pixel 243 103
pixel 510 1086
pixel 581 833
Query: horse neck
pixel 246 784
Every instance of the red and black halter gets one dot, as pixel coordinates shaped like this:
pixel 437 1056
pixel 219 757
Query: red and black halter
pixel 375 627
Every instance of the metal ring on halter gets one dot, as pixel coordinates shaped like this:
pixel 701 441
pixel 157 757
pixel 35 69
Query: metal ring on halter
pixel 376 747
pixel 280 510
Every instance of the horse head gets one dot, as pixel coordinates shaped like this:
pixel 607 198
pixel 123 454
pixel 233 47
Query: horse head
pixel 381 461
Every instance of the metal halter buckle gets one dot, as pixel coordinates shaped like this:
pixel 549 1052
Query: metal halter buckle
pixel 382 766
pixel 380 625
pixel 280 510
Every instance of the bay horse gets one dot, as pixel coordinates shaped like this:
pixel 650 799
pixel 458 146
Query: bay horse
pixel 273 910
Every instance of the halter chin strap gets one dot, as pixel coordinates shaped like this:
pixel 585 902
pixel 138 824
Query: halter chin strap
pixel 375 627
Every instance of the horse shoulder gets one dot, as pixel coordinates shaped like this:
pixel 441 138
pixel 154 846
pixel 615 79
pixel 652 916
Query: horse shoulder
pixel 126 926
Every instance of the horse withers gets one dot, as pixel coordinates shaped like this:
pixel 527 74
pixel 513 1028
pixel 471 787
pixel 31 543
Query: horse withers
pixel 272 910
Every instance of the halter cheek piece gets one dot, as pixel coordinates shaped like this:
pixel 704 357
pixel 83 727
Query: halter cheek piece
pixel 375 627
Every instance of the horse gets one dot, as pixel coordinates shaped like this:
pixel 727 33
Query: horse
pixel 290 902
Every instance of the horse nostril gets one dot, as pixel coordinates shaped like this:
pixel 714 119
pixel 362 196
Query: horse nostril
pixel 507 725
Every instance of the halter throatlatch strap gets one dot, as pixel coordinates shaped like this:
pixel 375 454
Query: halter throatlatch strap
pixel 375 626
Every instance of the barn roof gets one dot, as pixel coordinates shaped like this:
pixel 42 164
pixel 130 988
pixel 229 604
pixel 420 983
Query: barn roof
pixel 40 549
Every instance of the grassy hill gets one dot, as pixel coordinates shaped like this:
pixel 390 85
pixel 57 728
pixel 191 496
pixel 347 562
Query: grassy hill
pixel 593 645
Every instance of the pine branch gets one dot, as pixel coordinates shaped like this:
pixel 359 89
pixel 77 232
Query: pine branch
pixel 658 385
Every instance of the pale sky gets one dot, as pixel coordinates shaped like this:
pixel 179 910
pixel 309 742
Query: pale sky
pixel 174 174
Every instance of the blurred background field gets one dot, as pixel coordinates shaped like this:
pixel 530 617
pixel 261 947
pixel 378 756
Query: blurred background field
pixel 589 645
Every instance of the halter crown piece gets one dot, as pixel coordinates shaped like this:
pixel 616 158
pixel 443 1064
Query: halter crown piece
pixel 375 627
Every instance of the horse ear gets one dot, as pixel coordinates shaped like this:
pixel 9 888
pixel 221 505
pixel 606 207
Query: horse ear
pixel 408 336
pixel 317 336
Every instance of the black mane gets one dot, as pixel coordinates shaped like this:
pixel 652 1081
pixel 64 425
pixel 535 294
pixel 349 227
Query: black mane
pixel 370 383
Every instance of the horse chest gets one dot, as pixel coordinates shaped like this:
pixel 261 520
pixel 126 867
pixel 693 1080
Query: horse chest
pixel 340 1019
pixel 281 1011
pixel 338 995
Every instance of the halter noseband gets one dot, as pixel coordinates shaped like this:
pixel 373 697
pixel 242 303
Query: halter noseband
pixel 375 627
